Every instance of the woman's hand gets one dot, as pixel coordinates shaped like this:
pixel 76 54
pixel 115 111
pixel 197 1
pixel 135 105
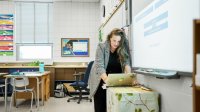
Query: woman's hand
pixel 127 69
pixel 135 83
pixel 104 77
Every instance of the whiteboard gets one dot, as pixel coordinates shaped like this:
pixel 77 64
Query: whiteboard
pixel 163 35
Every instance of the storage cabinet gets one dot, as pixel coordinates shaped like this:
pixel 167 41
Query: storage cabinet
pixel 51 79
pixel 62 73
pixel 67 73
pixel 196 89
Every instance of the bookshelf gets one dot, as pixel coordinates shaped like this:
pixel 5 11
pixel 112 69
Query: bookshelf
pixel 196 45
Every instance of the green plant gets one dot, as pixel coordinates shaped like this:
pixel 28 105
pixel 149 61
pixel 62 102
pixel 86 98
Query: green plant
pixel 34 63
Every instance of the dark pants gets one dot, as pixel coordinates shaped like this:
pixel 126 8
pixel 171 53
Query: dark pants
pixel 100 100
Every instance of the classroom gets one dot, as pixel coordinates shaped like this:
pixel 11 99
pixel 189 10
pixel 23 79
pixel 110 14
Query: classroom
pixel 99 55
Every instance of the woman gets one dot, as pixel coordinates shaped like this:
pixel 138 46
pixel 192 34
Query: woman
pixel 111 57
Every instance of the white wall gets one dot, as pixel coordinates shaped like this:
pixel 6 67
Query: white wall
pixel 118 20
pixel 176 94
pixel 75 20
pixel 8 8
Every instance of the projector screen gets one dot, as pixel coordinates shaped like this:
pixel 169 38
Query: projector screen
pixel 163 35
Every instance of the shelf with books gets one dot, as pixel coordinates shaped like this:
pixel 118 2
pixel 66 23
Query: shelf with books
pixel 196 88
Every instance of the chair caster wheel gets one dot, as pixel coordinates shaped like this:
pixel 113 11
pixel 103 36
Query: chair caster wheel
pixel 90 100
pixel 68 100
pixel 78 102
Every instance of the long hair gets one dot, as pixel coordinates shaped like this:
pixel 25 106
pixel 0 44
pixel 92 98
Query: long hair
pixel 123 48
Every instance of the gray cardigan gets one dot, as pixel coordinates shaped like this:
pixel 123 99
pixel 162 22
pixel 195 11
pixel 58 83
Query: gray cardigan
pixel 100 65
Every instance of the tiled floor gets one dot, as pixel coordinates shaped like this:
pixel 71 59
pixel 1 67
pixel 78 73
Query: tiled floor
pixel 52 105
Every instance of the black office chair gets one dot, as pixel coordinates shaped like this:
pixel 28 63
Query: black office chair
pixel 81 85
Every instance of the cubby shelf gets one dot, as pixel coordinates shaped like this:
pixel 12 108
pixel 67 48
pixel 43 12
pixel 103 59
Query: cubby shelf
pixel 196 45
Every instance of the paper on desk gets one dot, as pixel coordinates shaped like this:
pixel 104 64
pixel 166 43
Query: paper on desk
pixel 197 79
pixel 104 86
pixel 198 64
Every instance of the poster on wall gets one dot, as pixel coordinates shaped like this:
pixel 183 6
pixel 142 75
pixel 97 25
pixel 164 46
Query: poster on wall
pixel 6 34
pixel 75 47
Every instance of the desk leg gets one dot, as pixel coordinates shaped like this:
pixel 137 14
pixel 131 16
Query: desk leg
pixel 6 94
pixel 42 90
pixel 38 96
pixel 42 96
pixel 75 70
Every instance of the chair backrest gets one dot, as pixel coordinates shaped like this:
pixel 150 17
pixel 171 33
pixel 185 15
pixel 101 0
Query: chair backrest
pixel 21 81
pixel 2 83
pixel 87 72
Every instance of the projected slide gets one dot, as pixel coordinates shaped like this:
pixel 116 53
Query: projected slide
pixel 163 35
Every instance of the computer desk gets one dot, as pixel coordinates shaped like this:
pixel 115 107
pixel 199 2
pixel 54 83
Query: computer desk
pixel 36 75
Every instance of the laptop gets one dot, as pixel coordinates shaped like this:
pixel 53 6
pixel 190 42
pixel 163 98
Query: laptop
pixel 120 79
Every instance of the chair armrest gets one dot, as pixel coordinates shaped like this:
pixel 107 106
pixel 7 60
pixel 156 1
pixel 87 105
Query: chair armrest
pixel 78 75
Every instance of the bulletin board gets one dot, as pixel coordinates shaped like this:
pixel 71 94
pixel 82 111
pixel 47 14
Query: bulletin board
pixel 75 47
pixel 6 34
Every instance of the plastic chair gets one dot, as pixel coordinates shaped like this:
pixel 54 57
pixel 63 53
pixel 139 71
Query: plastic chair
pixel 20 84
pixel 81 85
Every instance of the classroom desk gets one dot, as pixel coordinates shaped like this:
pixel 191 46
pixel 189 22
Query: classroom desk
pixel 2 74
pixel 36 75
pixel 59 72
pixel 130 99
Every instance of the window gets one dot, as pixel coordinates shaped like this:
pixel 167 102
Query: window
pixel 33 22
pixel 33 30
pixel 34 51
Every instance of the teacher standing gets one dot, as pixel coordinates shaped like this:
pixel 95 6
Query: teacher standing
pixel 111 57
